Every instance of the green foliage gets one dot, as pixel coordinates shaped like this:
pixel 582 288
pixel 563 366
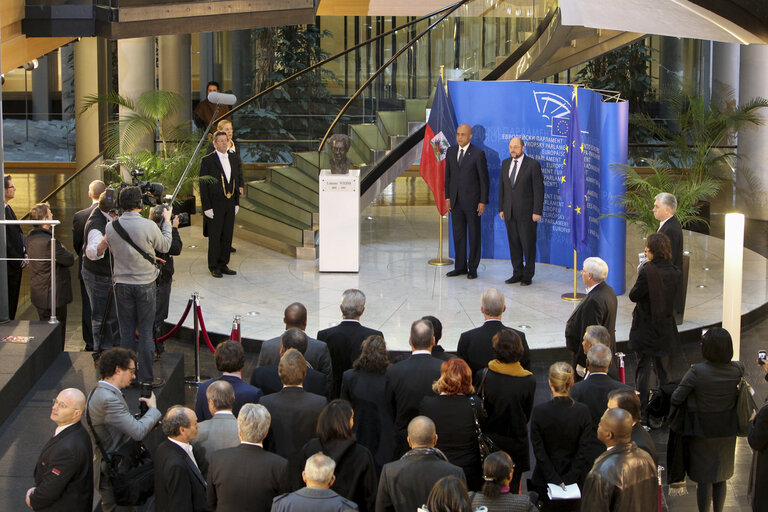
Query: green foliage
pixel 625 70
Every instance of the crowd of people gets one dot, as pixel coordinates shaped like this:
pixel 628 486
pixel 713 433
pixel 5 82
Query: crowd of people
pixel 403 436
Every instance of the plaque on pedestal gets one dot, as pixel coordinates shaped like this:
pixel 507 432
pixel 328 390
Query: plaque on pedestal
pixel 339 221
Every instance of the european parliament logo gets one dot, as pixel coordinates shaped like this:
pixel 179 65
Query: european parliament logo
pixel 554 108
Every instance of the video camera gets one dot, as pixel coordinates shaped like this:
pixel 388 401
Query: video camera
pixel 151 195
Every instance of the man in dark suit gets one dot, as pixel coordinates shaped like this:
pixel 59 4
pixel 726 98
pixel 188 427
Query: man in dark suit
pixel 664 208
pixel 344 340
pixel 220 200
pixel 247 474
pixel 220 431
pixel 294 411
pixel 521 202
pixel 230 360
pixel 405 484
pixel 64 470
pixel 408 381
pixel 475 346
pixel 599 335
pixel 267 378
pixel 317 354
pixel 466 193
pixel 95 189
pixel 597 308
pixel 14 248
pixel 179 484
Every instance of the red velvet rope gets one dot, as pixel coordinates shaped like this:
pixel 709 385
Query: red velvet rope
pixel 204 332
pixel 178 325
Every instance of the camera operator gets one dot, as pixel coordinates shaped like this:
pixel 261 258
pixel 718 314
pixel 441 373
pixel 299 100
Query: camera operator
pixel 165 278
pixel 108 412
pixel 97 276
pixel 134 274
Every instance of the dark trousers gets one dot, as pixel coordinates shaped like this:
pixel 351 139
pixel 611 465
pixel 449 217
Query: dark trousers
pixel 162 301
pixel 521 234
pixel 645 363
pixel 466 220
pixel 136 312
pixel 14 286
pixel 61 315
pixel 85 317
pixel 98 294
pixel 220 229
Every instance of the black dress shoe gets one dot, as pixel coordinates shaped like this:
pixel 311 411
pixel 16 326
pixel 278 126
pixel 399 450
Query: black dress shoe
pixel 525 283
pixel 216 273
pixel 454 273
pixel 472 274
pixel 157 382
pixel 513 280
pixel 228 271
pixel 232 249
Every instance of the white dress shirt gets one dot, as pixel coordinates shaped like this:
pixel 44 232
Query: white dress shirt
pixel 224 159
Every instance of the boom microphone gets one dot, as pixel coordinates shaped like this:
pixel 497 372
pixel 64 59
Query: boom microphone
pixel 221 98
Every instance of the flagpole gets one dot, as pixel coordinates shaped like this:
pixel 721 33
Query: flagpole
pixel 575 296
pixel 440 261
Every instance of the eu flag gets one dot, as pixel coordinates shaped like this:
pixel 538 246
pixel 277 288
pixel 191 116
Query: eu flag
pixel 572 184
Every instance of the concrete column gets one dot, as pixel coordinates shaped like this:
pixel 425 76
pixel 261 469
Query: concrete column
pixel 86 77
pixel 241 64
pixel 68 82
pixel 206 61
pixel 725 73
pixel 136 75
pixel 175 72
pixel 41 88
pixel 670 69
pixel 752 167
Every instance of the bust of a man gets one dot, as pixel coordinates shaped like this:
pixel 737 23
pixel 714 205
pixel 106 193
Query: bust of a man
pixel 339 148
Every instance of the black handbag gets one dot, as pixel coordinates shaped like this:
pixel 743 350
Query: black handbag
pixel 484 442
pixel 130 469
pixel 745 406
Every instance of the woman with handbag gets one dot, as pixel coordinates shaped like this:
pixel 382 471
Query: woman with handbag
pixel 711 440
pixel 454 419
pixel 653 329
pixel 507 390
pixel 561 430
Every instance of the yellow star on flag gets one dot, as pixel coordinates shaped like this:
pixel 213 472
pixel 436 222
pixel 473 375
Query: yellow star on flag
pixel 562 180
pixel 578 210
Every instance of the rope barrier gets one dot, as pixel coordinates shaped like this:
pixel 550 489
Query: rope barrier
pixel 176 327
pixel 203 330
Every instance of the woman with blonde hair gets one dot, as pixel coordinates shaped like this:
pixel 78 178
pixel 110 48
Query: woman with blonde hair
pixel 561 429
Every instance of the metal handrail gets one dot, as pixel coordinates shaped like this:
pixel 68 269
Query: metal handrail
pixel 336 56
pixel 52 259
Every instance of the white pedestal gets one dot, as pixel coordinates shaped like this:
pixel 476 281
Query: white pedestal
pixel 340 221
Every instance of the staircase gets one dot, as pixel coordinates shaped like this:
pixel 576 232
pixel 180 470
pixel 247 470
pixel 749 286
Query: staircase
pixel 281 211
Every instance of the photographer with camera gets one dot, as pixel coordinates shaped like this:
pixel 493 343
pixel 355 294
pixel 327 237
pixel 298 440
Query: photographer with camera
pixel 165 278
pixel 133 240
pixel 109 420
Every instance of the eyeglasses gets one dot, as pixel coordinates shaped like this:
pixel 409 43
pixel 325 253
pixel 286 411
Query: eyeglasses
pixel 58 403
pixel 132 370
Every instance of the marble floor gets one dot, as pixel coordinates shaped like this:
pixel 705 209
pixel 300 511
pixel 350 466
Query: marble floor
pixel 398 238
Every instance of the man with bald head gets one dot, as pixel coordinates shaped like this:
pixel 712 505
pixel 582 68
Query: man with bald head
pixel 466 193
pixel 521 203
pixel 476 345
pixel 623 478
pixel 64 470
pixel 405 484
pixel 317 355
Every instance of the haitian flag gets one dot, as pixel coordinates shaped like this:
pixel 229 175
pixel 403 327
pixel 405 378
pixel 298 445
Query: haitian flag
pixel 572 183
pixel 439 134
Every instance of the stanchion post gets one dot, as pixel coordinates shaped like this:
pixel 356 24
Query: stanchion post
pixel 195 379
pixel 622 373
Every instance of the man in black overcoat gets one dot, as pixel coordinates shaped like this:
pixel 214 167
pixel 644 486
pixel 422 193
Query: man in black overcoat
pixel 220 200
pixel 14 248
pixel 664 209
pixel 466 193
pixel 521 203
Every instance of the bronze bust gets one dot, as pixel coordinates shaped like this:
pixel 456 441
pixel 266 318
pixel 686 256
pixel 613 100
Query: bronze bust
pixel 339 148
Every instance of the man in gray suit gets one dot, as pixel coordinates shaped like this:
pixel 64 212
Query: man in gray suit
pixel 110 417
pixel 317 355
pixel 221 430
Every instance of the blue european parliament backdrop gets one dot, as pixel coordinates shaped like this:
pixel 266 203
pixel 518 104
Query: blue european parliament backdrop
pixel 539 113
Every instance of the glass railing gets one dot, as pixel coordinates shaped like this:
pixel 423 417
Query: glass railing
pixel 466 39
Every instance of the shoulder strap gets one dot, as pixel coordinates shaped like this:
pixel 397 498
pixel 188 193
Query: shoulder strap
pixel 90 426
pixel 473 406
pixel 124 235
pixel 481 386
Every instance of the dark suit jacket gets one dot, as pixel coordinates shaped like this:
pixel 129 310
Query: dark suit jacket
pixel 407 382
pixel 593 392
pixel 597 308
pixel 244 394
pixel 78 228
pixel 476 349
pixel 246 475
pixel 179 485
pixel 405 484
pixel 317 354
pixel 674 231
pixel 373 424
pixel 294 414
pixel 656 285
pixel 39 246
pixel 526 196
pixel 267 379
pixel 64 473
pixel 758 441
pixel 471 179
pixel 211 193
pixel 344 342
pixel 14 239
